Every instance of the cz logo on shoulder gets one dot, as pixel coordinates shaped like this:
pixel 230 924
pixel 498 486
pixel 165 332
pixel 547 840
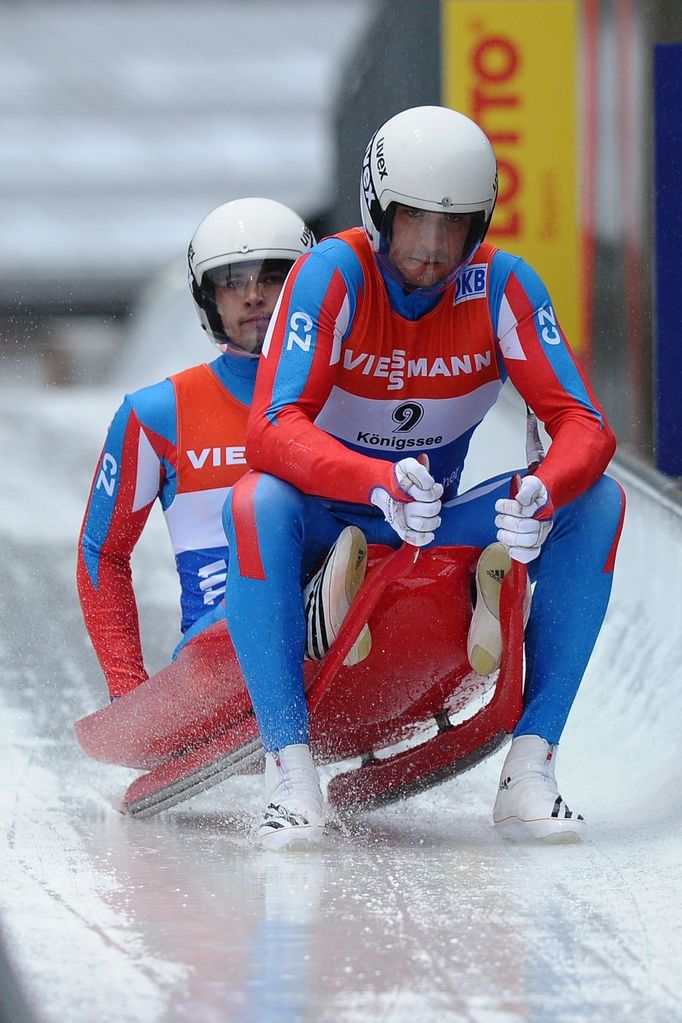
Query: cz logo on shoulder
pixel 106 479
pixel 548 327
pixel 300 324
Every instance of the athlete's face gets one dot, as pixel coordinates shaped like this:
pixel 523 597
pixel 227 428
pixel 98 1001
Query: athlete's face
pixel 245 302
pixel 425 247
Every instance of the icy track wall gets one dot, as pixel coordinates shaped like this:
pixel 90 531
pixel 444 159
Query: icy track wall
pixel 629 708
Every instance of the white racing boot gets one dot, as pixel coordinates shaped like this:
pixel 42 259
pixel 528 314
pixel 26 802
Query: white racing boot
pixel 528 803
pixel 329 594
pixel 295 813
pixel 484 642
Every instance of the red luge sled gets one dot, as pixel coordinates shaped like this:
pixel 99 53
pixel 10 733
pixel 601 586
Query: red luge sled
pixel 192 724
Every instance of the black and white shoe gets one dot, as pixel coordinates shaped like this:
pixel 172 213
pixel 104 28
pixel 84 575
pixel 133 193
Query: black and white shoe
pixel 329 594
pixel 528 803
pixel 295 813
pixel 484 641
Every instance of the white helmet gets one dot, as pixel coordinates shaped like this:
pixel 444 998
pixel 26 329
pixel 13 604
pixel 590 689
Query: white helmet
pixel 250 230
pixel 432 158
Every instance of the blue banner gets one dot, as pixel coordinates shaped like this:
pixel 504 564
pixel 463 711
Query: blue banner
pixel 668 257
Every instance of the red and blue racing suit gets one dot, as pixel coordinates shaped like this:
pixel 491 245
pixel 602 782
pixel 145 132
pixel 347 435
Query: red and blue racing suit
pixel 181 441
pixel 357 374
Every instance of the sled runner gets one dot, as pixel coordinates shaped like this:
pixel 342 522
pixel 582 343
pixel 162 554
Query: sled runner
pixel 192 725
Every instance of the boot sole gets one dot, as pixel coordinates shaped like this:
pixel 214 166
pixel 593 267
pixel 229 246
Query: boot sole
pixel 345 576
pixel 484 642
pixel 549 831
pixel 356 568
pixel 300 837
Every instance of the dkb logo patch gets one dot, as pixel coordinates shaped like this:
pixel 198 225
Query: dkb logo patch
pixel 472 282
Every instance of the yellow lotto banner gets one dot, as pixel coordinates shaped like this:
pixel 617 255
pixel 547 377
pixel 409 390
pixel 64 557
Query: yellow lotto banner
pixel 512 66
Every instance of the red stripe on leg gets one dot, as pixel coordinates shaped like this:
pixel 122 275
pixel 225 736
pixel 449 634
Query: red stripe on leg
pixel 610 563
pixel 244 515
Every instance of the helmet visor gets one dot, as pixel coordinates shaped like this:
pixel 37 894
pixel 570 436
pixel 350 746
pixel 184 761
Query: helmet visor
pixel 240 298
pixel 241 278
pixel 423 249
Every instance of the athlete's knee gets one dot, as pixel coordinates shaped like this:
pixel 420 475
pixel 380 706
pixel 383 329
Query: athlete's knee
pixel 260 496
pixel 605 503
pixel 227 516
pixel 594 520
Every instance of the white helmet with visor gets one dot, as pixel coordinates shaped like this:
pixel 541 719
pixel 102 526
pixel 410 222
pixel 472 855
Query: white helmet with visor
pixel 245 242
pixel 433 159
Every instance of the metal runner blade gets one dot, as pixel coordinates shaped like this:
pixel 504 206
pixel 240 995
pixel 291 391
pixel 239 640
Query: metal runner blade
pixel 189 784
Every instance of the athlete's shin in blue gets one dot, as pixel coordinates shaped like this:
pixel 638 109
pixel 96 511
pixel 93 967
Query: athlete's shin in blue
pixel 265 615
pixel 573 585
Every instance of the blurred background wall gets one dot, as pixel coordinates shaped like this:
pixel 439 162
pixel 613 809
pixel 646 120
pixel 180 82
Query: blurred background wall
pixel 122 124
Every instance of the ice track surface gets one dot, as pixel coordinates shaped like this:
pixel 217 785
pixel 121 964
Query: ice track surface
pixel 415 912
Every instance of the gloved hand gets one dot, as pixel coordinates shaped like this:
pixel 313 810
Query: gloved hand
pixel 417 519
pixel 524 522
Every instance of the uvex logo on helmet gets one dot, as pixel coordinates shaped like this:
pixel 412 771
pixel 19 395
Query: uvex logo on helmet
pixel 381 162
pixel 369 191
pixel 367 183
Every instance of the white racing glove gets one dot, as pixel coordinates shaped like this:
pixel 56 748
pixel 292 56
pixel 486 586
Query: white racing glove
pixel 417 520
pixel 524 522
